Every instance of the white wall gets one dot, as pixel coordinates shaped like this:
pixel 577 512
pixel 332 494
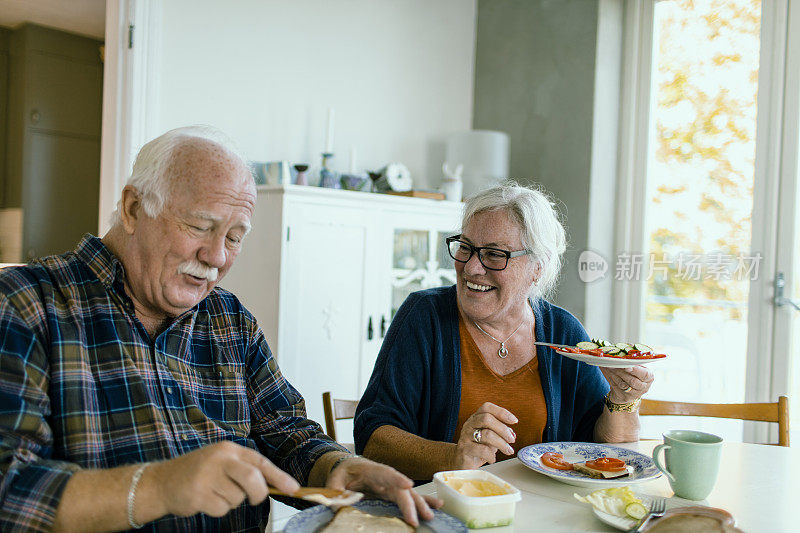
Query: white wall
pixel 399 75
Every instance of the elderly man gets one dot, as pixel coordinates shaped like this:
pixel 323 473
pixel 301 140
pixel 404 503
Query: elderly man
pixel 134 392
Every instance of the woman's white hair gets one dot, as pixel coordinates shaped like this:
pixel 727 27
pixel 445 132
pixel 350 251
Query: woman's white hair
pixel 538 220
pixel 150 174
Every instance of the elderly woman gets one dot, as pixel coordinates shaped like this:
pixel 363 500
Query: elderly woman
pixel 459 382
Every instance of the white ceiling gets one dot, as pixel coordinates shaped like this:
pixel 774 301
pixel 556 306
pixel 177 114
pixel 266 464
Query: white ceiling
pixel 85 17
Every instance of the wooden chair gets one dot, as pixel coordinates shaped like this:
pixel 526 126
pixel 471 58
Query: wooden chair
pixel 336 410
pixel 763 412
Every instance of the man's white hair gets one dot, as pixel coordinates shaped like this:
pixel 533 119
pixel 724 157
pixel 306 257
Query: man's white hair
pixel 149 175
pixel 538 220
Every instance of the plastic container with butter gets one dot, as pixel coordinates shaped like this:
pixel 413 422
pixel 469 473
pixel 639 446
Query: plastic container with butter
pixel 476 497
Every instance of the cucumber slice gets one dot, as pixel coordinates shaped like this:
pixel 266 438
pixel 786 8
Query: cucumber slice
pixel 636 510
pixel 643 347
pixel 624 346
pixel 586 345
pixel 611 350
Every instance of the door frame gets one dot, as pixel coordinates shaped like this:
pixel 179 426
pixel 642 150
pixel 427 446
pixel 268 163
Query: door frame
pixel 130 94
pixel 788 193
pixel 763 382
pixel 636 95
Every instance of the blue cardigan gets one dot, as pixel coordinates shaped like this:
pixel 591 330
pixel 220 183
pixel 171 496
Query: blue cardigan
pixel 416 382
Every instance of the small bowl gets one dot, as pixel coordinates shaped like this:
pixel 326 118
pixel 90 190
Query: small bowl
pixel 353 182
pixel 477 511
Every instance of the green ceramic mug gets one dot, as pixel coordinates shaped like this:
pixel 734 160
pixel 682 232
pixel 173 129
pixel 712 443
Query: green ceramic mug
pixel 692 462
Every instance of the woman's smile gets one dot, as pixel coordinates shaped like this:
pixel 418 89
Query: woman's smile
pixel 475 287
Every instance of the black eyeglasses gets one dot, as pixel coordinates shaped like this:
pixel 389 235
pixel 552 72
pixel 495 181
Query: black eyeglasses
pixel 491 258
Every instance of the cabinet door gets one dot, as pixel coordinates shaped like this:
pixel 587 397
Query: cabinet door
pixel 60 192
pixel 408 255
pixel 323 302
pixel 419 261
pixel 419 258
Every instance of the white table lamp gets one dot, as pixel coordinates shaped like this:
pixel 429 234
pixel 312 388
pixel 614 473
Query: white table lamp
pixel 484 156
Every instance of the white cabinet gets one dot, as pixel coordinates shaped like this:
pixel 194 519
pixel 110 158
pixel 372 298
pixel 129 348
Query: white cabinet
pixel 324 271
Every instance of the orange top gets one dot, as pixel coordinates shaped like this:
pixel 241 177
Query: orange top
pixel 520 392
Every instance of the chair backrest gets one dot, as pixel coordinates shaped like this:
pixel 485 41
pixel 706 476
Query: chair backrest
pixel 763 412
pixel 336 410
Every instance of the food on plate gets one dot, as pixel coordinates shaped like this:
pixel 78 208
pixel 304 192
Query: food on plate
pixel 617 501
pixel 603 468
pixel 350 519
pixel 607 464
pixel 621 350
pixel 555 460
pixel 476 487
pixel 681 523
pixel 334 499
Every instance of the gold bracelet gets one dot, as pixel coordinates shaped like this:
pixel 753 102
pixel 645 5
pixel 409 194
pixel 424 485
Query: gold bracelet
pixel 629 407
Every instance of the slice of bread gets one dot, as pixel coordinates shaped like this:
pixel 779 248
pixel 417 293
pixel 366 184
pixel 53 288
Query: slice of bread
pixel 601 474
pixel 694 523
pixel 350 519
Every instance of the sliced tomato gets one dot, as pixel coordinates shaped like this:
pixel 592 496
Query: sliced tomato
pixel 607 464
pixel 646 355
pixel 555 460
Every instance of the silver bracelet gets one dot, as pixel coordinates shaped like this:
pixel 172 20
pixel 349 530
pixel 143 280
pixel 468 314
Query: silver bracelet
pixel 132 496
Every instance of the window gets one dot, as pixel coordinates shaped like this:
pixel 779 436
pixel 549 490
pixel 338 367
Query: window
pixel 711 120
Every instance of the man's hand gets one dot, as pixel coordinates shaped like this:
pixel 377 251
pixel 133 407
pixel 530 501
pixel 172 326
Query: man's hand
pixel 217 478
pixel 367 476
pixel 488 423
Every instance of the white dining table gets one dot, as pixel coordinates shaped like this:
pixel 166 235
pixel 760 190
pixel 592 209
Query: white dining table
pixel 758 484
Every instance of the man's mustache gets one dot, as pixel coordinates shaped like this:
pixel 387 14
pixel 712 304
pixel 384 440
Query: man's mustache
pixel 198 270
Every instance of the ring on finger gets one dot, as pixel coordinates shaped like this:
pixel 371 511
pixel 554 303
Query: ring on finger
pixel 627 389
pixel 476 436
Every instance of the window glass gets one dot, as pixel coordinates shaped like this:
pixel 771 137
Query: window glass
pixel 700 177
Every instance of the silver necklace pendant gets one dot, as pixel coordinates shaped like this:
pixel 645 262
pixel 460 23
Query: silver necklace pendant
pixel 502 353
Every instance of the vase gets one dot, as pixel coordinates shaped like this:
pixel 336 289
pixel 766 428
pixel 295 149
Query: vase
pixel 327 177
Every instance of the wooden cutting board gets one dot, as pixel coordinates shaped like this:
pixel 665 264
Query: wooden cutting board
pixel 420 194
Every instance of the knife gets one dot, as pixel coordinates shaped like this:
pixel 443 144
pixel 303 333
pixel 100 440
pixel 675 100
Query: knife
pixel 551 345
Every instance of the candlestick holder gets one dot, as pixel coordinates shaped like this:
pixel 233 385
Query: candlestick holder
pixel 374 177
pixel 327 177
pixel 301 174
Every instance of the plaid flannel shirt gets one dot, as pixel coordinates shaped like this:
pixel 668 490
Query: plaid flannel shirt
pixel 82 385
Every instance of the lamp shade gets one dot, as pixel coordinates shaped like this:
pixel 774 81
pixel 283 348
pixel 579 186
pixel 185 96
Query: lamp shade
pixel 483 154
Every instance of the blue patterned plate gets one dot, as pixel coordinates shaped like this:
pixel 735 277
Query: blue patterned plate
pixel 643 467
pixel 312 519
